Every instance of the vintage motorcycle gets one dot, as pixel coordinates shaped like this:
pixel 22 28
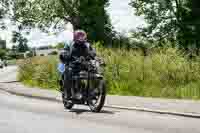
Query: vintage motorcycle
pixel 87 84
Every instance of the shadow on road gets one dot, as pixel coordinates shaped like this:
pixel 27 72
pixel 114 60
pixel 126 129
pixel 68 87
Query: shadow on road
pixel 81 111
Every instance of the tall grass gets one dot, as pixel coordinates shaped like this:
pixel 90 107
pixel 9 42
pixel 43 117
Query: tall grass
pixel 163 73
pixel 39 71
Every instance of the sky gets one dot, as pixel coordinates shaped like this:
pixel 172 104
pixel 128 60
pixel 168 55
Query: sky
pixel 122 18
pixel 122 15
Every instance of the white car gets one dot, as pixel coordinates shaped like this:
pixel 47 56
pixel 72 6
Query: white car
pixel 1 64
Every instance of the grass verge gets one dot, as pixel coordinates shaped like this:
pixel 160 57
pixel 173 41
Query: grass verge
pixel 165 73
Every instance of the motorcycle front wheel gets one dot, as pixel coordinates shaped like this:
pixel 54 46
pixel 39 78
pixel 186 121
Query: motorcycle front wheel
pixel 97 96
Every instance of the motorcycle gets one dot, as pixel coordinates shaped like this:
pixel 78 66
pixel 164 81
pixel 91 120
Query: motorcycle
pixel 87 84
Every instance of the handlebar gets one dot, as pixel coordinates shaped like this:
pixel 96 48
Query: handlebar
pixel 83 63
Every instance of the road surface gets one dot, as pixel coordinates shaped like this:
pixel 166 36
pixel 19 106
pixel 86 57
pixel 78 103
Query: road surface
pixel 26 115
pixel 8 74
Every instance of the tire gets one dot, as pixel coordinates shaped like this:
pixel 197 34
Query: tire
pixel 97 108
pixel 67 104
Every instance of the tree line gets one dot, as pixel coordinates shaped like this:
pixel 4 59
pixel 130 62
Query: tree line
pixel 174 21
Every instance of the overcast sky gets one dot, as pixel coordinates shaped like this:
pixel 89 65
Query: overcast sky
pixel 122 17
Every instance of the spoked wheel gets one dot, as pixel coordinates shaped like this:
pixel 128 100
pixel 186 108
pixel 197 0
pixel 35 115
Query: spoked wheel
pixel 97 96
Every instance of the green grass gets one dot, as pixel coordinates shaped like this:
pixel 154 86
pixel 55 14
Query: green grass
pixel 39 71
pixel 12 62
pixel 165 73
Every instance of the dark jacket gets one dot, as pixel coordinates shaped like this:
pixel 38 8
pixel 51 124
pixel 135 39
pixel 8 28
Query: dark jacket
pixel 77 50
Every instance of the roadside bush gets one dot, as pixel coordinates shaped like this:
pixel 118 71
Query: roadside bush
pixel 53 53
pixel 19 56
pixel 2 53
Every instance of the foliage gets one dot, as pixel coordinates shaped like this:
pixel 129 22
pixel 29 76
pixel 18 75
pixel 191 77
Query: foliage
pixel 165 72
pixel 4 11
pixel 89 15
pixel 11 61
pixel 121 41
pixel 2 53
pixel 170 19
pixel 12 55
pixel 39 71
pixel 22 42
pixel 53 53
pixel 59 46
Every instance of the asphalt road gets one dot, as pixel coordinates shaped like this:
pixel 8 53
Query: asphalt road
pixel 25 115
pixel 8 74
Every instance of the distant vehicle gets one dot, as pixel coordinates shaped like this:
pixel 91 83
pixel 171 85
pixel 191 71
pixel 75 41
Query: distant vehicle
pixel 1 63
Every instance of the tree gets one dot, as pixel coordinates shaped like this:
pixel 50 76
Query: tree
pixel 121 40
pixel 14 48
pixel 4 11
pixel 95 20
pixel 195 21
pixel 167 19
pixel 22 46
pixel 89 15
pixel 2 53
pixel 21 41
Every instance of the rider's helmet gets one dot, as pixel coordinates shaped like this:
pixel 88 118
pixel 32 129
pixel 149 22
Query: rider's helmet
pixel 80 36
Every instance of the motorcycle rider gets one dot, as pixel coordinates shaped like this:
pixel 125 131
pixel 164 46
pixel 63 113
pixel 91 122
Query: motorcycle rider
pixel 79 47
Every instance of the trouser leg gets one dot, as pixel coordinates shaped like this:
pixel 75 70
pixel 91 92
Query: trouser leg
pixel 67 84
